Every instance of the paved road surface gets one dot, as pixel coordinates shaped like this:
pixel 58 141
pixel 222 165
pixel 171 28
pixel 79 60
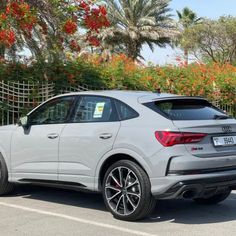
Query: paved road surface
pixel 43 211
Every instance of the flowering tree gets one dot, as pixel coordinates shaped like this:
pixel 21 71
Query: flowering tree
pixel 88 15
pixel 15 15
pixel 44 26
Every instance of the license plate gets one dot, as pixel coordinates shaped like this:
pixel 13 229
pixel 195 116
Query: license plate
pixel 224 141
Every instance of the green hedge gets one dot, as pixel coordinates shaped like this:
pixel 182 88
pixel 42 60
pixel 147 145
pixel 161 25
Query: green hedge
pixel 217 82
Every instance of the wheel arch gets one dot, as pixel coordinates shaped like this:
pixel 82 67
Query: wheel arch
pixel 3 155
pixel 7 162
pixel 114 157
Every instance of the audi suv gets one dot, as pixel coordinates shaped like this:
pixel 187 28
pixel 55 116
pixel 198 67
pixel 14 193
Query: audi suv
pixel 133 147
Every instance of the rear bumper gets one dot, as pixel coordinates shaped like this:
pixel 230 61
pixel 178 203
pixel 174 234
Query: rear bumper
pixel 194 186
pixel 201 171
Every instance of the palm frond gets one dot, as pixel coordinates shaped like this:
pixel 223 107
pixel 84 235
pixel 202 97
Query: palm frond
pixel 135 22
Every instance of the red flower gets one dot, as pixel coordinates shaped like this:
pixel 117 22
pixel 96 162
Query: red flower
pixel 70 27
pixel 95 22
pixel 103 10
pixel 93 41
pixel 11 38
pixel 74 46
pixel 7 37
pixel 18 9
pixel 96 19
pixel 84 6
pixel 3 17
pixel 28 24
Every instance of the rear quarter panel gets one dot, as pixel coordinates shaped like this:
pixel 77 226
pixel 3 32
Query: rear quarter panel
pixel 138 136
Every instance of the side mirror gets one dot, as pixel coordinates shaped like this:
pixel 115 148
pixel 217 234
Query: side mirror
pixel 24 122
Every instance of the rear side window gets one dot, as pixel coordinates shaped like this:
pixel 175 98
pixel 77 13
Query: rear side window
pixel 125 111
pixel 186 109
pixel 94 109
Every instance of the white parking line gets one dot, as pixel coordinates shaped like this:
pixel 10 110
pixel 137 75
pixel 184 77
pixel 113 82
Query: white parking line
pixel 80 220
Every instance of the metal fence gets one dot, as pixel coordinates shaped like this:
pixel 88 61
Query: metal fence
pixel 18 98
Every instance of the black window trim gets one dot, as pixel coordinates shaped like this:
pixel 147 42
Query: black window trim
pixel 136 116
pixel 78 99
pixel 54 99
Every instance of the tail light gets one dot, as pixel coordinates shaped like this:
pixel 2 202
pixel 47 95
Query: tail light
pixel 168 139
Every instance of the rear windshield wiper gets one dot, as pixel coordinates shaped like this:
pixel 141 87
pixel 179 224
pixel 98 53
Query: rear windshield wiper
pixel 221 117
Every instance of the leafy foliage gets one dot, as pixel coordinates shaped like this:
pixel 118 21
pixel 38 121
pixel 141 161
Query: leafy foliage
pixel 48 28
pixel 214 81
pixel 187 19
pixel 134 23
pixel 213 40
pixel 16 14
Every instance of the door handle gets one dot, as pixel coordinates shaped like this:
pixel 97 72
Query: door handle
pixel 53 136
pixel 105 136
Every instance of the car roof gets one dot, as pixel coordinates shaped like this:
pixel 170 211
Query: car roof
pixel 125 95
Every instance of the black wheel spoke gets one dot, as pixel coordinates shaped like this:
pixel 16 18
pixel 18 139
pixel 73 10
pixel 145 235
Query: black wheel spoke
pixel 132 184
pixel 118 203
pixel 120 176
pixel 113 188
pixel 125 205
pixel 133 194
pixel 130 201
pixel 115 195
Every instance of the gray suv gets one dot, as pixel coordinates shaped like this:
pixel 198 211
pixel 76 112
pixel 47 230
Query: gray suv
pixel 134 147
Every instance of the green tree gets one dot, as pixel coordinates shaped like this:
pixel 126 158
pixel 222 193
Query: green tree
pixel 187 19
pixel 139 22
pixel 213 40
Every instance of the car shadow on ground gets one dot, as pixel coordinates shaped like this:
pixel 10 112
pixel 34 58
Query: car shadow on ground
pixel 175 211
pixel 189 212
pixel 61 196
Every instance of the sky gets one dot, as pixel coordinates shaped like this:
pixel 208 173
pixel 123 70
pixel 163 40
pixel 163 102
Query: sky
pixel 204 8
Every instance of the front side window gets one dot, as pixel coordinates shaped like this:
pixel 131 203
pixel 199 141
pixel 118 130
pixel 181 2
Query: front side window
pixel 94 109
pixel 53 112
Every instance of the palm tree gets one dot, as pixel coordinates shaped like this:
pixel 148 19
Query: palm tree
pixel 187 19
pixel 138 22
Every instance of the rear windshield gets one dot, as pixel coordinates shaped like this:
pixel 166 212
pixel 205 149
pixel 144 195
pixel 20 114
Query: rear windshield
pixel 186 109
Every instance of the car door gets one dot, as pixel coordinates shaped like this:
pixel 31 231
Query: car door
pixel 91 134
pixel 34 150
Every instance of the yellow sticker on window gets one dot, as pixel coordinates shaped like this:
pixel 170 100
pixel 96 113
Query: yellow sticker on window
pixel 99 110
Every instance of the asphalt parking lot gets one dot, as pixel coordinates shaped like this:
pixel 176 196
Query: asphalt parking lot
pixel 45 211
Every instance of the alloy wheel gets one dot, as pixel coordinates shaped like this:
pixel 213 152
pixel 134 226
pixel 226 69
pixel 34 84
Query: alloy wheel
pixel 122 191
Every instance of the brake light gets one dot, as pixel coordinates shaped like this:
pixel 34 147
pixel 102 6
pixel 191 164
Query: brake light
pixel 168 139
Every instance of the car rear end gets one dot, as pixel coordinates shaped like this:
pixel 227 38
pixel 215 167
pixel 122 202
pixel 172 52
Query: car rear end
pixel 199 149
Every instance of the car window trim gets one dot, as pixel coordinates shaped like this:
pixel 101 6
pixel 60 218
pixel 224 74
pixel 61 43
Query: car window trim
pixel 120 116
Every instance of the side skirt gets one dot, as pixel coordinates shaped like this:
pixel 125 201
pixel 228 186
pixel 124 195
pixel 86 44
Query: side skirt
pixel 56 184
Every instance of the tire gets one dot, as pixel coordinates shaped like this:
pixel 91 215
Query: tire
pixel 5 186
pixel 214 199
pixel 131 198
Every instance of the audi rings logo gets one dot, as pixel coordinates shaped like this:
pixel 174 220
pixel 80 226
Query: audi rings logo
pixel 227 129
